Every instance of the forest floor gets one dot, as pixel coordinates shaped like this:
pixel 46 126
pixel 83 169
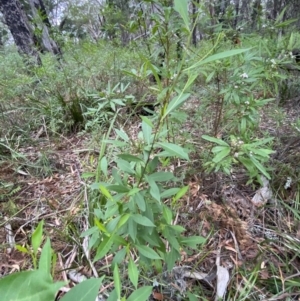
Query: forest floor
pixel 259 245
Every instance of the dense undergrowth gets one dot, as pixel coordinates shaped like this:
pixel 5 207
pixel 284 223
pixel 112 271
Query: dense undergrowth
pixel 166 185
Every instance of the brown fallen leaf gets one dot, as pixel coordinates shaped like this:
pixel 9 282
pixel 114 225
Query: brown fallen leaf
pixel 158 296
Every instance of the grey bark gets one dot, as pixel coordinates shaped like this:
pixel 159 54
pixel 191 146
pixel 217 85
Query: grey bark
pixel 18 24
pixel 42 22
pixel 237 12
pixel 245 11
pixel 194 33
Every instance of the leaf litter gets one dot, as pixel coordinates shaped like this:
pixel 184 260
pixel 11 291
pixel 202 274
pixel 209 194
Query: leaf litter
pixel 243 227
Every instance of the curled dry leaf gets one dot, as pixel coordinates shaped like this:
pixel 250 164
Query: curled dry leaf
pixel 263 194
pixel 10 239
pixel 76 276
pixel 222 278
pixel 222 281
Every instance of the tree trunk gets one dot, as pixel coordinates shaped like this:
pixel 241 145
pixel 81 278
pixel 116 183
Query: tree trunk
pixel 18 25
pixel 237 12
pixel 194 33
pixel 41 20
pixel 245 11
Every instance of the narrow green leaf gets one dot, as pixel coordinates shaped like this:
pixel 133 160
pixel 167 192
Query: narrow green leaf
pixel 133 191
pixel 112 224
pixel 103 248
pixel 154 190
pixel 152 165
pixel 116 176
pixel 141 294
pixel 21 249
pixel 105 192
pixel 215 140
pixel 142 220
pixel 104 165
pixel 119 257
pixel 147 131
pixel 100 226
pixel 174 150
pixel 218 148
pixel 161 176
pixel 221 155
pixel 118 102
pixel 119 240
pixel 87 175
pixel 181 6
pixel 176 102
pixel 193 241
pixel 118 188
pixel 243 124
pixel 37 237
pixel 169 192
pixel 132 229
pixel 117 281
pixel 216 57
pixel 167 214
pixel 90 231
pixel 260 167
pixel 181 193
pixel 263 152
pixel 140 201
pixel 147 252
pixel 133 273
pixel 147 121
pixel 122 135
pixel 168 233
pixel 192 297
pixel 171 258
pixel 84 291
pixel 125 166
pixel 190 80
pixel 130 158
pixel 177 228
pixel 210 76
pixel 259 142
pixel 123 220
pixel 45 258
